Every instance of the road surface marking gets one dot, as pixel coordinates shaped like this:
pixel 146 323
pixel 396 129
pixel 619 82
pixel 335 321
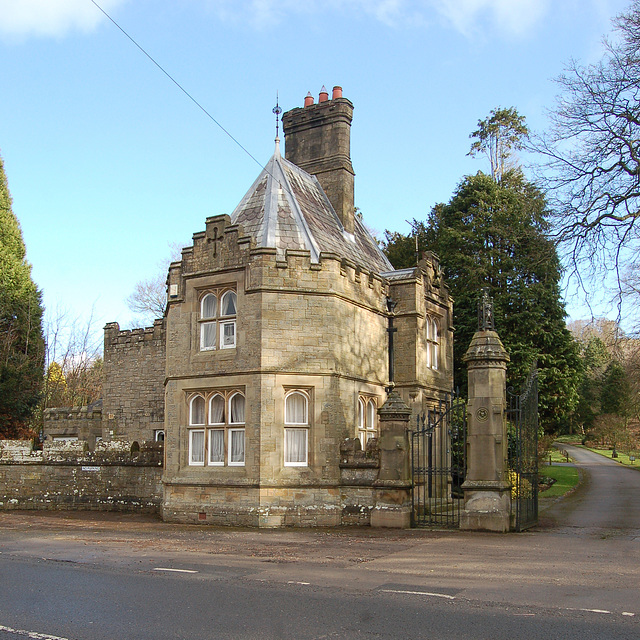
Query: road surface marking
pixel 420 593
pixel 31 634
pixel 628 613
pixel 175 570
pixel 294 582
pixel 589 610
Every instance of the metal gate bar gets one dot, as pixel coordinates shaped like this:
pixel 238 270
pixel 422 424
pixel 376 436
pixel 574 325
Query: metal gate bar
pixel 522 417
pixel 438 464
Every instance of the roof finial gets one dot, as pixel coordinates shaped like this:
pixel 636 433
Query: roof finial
pixel 277 110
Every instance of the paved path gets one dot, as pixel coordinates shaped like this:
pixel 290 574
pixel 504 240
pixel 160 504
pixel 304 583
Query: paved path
pixel 607 503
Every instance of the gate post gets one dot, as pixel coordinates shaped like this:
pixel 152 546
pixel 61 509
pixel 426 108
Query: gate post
pixel 487 490
pixel 392 489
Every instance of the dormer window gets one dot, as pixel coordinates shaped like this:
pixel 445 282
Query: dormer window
pixel 218 320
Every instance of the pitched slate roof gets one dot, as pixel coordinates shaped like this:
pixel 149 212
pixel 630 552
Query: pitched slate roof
pixel 286 208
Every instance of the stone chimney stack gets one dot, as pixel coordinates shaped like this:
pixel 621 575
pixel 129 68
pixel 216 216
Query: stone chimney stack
pixel 318 140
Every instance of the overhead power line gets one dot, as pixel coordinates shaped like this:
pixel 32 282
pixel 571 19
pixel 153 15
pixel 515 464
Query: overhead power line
pixel 166 73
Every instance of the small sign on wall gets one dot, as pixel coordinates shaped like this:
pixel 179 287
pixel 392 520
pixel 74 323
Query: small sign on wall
pixel 91 468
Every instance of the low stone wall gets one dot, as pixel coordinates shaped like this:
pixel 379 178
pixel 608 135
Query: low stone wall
pixel 117 476
pixel 84 423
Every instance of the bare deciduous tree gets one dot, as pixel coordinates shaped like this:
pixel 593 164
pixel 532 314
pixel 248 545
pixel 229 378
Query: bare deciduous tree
pixel 73 374
pixel 149 297
pixel 593 156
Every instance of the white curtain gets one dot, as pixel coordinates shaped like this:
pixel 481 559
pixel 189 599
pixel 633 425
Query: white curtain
pixel 295 446
pixel 216 446
pixel 229 304
pixel 197 447
pixel 207 335
pixel 209 306
pixel 295 409
pixel 237 445
pixel 237 409
pixel 197 411
pixel 216 410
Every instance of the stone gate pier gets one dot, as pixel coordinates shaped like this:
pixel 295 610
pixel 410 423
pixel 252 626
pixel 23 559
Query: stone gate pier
pixel 487 490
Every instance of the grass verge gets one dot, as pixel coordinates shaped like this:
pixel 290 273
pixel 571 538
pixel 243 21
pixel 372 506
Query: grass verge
pixel 623 458
pixel 566 479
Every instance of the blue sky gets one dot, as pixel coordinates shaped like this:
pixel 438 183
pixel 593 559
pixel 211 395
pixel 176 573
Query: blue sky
pixel 109 163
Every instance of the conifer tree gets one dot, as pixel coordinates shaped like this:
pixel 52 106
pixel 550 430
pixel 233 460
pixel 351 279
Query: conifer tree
pixel 492 233
pixel 21 338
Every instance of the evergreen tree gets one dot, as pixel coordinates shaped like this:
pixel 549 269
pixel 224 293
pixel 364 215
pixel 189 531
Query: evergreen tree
pixel 492 234
pixel 595 357
pixel 21 339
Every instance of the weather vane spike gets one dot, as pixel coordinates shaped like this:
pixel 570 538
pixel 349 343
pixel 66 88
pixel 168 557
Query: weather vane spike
pixel 277 110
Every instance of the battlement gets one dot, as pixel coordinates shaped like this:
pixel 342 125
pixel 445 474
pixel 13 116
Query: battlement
pixel 91 412
pixel 117 336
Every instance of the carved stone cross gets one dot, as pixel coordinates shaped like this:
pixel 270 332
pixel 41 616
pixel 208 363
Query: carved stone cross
pixel 216 238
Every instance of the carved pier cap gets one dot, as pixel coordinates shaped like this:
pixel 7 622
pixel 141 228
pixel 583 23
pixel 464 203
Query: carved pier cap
pixel 486 348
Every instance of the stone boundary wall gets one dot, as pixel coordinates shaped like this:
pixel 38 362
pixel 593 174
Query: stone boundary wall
pixel 117 476
pixel 85 423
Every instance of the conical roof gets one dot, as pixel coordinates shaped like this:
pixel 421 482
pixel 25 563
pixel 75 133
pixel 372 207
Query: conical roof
pixel 286 208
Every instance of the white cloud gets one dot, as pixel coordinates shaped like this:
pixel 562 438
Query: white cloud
pixel 511 17
pixel 19 18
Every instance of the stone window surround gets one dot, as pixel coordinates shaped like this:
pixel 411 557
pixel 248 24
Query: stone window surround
pixel 219 321
pixel 206 427
pixel 367 414
pixel 300 428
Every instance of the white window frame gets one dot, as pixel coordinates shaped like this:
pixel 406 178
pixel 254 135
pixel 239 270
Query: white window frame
pixel 208 428
pixel 204 298
pixel 297 427
pixel 230 432
pixel 214 332
pixel 192 462
pixel 367 422
pixel 218 321
pixel 191 421
pixel 215 463
pixel 435 344
pixel 288 432
pixel 223 324
pixel 156 435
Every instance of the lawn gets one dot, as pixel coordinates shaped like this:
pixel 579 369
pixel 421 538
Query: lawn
pixel 566 478
pixel 623 458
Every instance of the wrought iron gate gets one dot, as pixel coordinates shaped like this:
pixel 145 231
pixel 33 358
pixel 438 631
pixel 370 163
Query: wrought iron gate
pixel 522 417
pixel 439 464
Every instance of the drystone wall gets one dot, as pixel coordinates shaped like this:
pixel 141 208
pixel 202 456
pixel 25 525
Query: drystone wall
pixel 116 476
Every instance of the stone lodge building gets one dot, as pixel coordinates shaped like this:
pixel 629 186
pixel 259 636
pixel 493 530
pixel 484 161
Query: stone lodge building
pixel 274 347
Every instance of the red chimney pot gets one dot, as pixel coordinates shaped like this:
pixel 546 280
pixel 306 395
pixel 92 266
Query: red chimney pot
pixel 308 100
pixel 324 95
pixel 337 93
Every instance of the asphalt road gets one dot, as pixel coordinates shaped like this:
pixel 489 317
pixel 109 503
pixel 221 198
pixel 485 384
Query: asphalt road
pixel 607 503
pixel 91 576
